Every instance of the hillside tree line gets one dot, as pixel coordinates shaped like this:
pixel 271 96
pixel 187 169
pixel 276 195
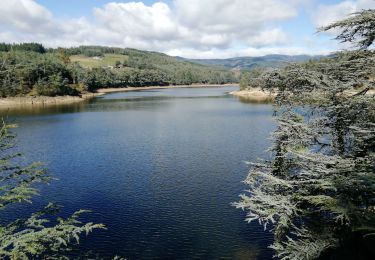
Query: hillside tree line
pixel 31 69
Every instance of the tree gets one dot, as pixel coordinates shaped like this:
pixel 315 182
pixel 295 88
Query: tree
pixel 249 78
pixel 33 237
pixel 317 194
pixel 63 55
pixel 54 85
pixel 360 28
pixel 27 69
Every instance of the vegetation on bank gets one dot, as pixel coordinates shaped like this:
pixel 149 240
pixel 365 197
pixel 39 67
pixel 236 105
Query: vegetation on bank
pixel 248 78
pixel 317 194
pixel 31 69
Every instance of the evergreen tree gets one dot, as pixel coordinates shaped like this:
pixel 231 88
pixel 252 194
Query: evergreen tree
pixel 357 28
pixel 317 194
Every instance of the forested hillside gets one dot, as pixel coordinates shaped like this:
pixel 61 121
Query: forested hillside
pixel 249 63
pixel 31 69
pixel 250 78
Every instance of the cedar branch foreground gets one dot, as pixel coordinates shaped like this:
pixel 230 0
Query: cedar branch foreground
pixel 317 194
pixel 33 237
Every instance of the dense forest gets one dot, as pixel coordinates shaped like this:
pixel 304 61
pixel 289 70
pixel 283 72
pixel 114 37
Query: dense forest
pixel 32 69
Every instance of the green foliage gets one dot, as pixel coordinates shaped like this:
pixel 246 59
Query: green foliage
pixel 16 181
pixel 54 85
pixel 34 47
pixel 319 189
pixel 34 237
pixel 318 192
pixel 141 68
pixel 107 60
pixel 63 55
pixel 21 72
pixel 64 71
pixel 359 28
pixel 249 78
pixel 250 63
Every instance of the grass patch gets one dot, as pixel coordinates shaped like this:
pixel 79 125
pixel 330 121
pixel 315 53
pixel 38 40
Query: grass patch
pixel 95 62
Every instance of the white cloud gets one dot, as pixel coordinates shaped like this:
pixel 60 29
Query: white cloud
pixel 326 14
pixel 25 15
pixel 192 28
pixel 221 16
pixel 274 36
pixel 200 24
pixel 137 20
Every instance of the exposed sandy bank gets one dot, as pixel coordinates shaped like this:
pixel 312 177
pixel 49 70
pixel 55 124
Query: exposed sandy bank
pixel 254 94
pixel 258 95
pixel 13 102
pixel 42 100
pixel 111 90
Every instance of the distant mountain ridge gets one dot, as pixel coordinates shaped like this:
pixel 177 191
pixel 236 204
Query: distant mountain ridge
pixel 246 63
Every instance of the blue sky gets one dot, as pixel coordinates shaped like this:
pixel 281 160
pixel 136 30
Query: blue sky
pixel 77 8
pixel 189 28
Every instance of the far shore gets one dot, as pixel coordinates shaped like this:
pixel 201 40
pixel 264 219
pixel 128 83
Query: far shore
pixel 111 90
pixel 29 101
pixel 11 102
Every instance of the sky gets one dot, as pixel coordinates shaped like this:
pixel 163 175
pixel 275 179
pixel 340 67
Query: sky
pixel 187 28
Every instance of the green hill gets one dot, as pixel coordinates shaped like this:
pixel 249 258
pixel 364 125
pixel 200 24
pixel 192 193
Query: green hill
pixel 247 63
pixel 31 69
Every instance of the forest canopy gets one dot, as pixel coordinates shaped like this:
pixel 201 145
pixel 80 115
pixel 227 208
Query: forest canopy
pixel 31 69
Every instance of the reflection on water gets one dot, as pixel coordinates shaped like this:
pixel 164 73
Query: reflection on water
pixel 40 109
pixel 126 100
pixel 248 253
pixel 247 100
pixel 159 168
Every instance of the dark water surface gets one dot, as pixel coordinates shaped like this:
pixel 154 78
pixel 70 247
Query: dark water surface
pixel 158 167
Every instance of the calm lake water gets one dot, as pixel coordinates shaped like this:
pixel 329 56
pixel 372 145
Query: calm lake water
pixel 159 168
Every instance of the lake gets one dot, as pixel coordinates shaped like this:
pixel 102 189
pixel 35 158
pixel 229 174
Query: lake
pixel 160 168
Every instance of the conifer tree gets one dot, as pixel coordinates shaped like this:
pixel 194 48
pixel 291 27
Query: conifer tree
pixel 317 194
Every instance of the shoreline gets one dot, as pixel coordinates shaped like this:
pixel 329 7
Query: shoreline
pixel 258 95
pixel 126 89
pixel 17 102
pixel 254 94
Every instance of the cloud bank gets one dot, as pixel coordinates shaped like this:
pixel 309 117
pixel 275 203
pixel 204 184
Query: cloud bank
pixel 190 28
